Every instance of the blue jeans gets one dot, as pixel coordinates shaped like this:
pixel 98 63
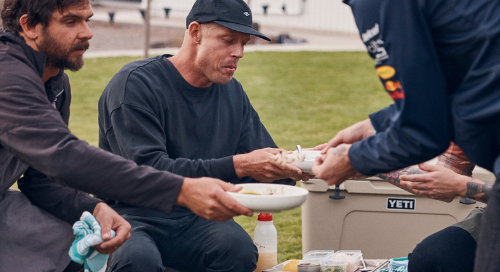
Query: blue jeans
pixel 184 241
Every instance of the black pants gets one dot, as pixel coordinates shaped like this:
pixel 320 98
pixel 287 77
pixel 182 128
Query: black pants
pixel 451 249
pixel 183 241
pixel 74 267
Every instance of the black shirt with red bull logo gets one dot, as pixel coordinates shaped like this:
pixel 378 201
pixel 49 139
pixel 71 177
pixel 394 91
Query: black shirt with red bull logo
pixel 439 60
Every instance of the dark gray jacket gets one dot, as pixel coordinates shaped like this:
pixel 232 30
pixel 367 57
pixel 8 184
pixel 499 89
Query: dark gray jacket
pixel 34 135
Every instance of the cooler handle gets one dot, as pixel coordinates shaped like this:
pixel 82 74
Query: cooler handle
pixel 467 201
pixel 337 195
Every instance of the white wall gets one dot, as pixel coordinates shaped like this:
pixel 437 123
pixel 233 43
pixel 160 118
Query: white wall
pixel 325 15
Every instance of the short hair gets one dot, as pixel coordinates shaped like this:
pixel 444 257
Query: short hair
pixel 38 11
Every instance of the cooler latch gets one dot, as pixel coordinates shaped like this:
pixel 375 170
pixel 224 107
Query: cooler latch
pixel 337 195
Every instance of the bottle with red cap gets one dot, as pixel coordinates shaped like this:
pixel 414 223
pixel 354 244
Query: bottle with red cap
pixel 265 238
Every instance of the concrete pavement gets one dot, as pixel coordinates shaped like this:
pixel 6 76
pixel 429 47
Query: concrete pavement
pixel 316 40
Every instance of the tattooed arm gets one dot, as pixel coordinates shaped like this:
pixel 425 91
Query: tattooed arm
pixel 478 189
pixel 441 183
pixel 393 177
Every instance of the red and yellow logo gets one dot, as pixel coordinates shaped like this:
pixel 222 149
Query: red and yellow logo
pixel 395 89
pixel 385 72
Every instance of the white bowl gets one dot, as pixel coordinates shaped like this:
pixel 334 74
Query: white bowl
pixel 292 197
pixel 307 164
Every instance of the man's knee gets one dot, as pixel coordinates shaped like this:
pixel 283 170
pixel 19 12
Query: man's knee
pixel 136 258
pixel 422 258
pixel 236 250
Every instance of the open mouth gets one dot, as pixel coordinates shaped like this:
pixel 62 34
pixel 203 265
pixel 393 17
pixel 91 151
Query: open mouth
pixel 231 68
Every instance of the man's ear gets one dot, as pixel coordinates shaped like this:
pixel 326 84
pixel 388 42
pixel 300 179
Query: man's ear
pixel 194 32
pixel 29 31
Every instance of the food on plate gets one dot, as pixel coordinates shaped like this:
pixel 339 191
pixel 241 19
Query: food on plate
pixel 248 192
pixel 285 157
pixel 269 191
pixel 291 266
pixel 275 191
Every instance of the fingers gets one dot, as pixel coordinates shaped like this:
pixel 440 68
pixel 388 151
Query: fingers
pixel 105 228
pixel 122 234
pixel 110 220
pixel 233 206
pixel 332 143
pixel 320 147
pixel 416 178
pixel 234 189
pixel 207 198
pixel 428 167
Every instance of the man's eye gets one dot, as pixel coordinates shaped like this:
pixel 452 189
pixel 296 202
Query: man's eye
pixel 70 23
pixel 229 41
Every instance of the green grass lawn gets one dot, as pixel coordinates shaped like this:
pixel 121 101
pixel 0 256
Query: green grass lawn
pixel 302 98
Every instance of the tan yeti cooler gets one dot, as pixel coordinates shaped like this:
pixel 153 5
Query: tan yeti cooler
pixel 375 217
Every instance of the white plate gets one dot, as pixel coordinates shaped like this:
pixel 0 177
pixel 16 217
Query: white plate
pixel 292 197
pixel 307 164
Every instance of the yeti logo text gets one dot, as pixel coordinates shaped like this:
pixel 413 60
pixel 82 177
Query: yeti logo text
pixel 370 33
pixel 401 203
pixel 246 13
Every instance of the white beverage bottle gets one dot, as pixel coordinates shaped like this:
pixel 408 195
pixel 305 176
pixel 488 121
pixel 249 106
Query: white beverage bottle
pixel 265 238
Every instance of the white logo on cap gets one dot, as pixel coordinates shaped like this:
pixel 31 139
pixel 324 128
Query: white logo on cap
pixel 246 13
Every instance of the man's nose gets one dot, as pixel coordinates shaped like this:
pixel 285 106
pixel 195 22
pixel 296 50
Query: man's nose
pixel 238 51
pixel 86 33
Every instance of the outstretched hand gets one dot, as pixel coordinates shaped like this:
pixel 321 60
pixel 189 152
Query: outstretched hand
pixel 207 198
pixel 260 165
pixel 438 183
pixel 352 134
pixel 334 167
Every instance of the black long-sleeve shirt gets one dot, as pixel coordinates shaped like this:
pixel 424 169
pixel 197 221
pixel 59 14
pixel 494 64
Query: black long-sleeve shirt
pixel 148 113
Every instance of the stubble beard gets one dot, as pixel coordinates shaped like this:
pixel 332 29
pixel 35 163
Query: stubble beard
pixel 58 56
pixel 215 76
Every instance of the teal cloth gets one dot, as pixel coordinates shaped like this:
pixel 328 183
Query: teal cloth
pixel 88 234
pixel 397 265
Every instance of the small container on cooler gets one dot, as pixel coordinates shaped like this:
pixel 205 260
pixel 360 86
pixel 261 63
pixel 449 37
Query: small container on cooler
pixel 330 265
pixel 314 256
pixel 352 257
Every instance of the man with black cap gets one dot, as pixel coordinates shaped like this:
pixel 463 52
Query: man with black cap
pixel 187 115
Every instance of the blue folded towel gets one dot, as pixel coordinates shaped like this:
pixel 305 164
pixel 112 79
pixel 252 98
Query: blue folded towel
pixel 88 234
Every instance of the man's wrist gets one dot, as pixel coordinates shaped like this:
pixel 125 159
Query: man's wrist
pixel 239 162
pixel 180 197
pixel 466 183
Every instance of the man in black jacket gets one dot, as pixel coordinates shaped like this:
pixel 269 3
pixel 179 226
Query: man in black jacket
pixel 40 40
pixel 187 114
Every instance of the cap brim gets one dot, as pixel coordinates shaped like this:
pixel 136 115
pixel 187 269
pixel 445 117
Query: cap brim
pixel 243 29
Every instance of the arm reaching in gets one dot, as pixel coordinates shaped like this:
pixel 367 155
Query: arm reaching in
pixel 260 165
pixel 394 176
pixel 444 184
pixel 334 167
pixel 207 198
pixel 352 134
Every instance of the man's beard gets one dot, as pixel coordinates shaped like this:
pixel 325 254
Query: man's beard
pixel 60 57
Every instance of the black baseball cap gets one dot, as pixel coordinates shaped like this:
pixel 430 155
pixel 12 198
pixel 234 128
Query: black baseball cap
pixel 233 14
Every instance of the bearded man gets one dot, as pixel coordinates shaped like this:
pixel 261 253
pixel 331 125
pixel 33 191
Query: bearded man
pixel 41 39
